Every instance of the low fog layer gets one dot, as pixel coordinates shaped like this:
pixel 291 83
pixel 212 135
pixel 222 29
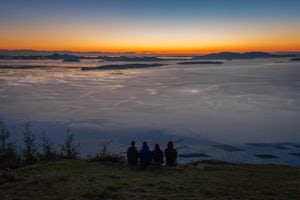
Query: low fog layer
pixel 238 102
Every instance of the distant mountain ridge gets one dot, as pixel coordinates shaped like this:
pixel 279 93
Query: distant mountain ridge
pixel 295 59
pixel 69 57
pixel 125 66
pixel 212 56
pixel 247 55
pixel 45 53
pixel 129 58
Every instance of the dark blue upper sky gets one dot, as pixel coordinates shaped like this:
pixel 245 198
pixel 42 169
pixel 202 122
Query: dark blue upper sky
pixel 155 9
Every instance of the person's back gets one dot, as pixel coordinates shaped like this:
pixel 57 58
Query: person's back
pixel 171 154
pixel 157 155
pixel 145 155
pixel 132 154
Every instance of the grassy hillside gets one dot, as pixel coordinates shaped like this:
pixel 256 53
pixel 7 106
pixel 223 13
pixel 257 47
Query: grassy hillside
pixel 75 179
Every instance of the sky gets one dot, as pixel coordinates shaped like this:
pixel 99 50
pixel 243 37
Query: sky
pixel 147 26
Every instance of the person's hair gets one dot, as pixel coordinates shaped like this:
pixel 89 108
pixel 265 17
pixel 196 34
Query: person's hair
pixel 145 144
pixel 132 143
pixel 157 147
pixel 170 145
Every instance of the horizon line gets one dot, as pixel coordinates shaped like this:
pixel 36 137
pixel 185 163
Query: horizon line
pixel 154 52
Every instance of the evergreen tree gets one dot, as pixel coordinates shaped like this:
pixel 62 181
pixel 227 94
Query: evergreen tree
pixel 9 155
pixel 48 151
pixel 4 135
pixel 30 148
pixel 69 150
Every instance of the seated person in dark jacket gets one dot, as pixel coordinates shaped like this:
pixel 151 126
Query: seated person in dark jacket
pixel 157 155
pixel 145 155
pixel 132 154
pixel 171 154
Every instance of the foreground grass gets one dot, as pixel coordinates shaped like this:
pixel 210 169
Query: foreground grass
pixel 74 179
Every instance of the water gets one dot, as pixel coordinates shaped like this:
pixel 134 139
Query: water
pixel 197 106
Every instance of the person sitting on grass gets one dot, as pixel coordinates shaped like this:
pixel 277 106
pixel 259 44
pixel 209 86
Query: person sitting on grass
pixel 145 156
pixel 171 154
pixel 132 154
pixel 157 155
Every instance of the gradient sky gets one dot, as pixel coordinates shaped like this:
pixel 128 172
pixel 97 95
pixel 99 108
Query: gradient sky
pixel 189 26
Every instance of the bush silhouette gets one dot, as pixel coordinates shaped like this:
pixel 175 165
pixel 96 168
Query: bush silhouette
pixel 69 150
pixel 48 151
pixel 29 151
pixel 9 155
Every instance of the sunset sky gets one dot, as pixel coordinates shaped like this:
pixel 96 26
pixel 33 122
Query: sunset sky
pixel 161 26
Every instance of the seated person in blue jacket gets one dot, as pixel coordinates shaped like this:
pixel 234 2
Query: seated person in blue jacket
pixel 145 155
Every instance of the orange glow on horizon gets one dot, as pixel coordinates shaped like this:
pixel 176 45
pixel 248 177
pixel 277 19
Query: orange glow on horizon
pixel 146 48
pixel 161 39
pixel 163 50
pixel 148 45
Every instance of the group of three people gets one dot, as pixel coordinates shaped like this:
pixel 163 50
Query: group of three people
pixel 145 157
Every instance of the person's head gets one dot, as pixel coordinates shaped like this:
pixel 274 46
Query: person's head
pixel 132 143
pixel 170 145
pixel 157 147
pixel 145 144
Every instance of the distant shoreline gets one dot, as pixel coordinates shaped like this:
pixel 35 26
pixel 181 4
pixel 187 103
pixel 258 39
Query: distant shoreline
pixel 295 59
pixel 200 62
pixel 125 66
pixel 70 56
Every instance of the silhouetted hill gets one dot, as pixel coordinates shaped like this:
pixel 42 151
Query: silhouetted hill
pixel 129 58
pixel 126 66
pixel 199 62
pixel 295 59
pixel 10 57
pixel 213 56
pixel 74 58
pixel 55 56
pixel 209 179
pixel 248 55
pixel 64 57
pixel 45 53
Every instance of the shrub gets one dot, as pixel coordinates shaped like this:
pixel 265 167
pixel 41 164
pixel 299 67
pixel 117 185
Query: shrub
pixel 29 151
pixel 4 135
pixel 48 150
pixel 104 155
pixel 69 150
pixel 9 156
